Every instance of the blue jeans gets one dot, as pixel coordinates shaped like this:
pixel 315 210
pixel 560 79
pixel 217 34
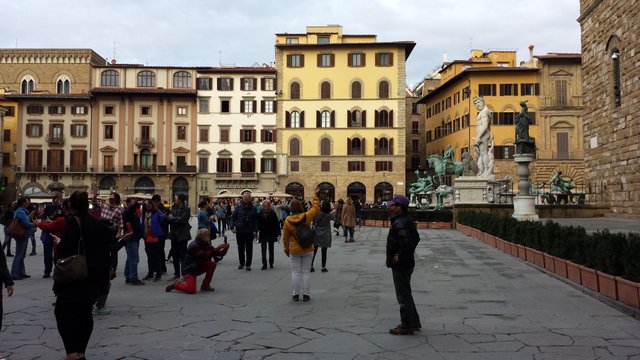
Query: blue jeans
pixel 47 244
pixel 7 241
pixel 133 257
pixel 17 266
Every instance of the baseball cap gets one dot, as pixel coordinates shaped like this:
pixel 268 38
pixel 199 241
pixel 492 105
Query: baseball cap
pixel 398 200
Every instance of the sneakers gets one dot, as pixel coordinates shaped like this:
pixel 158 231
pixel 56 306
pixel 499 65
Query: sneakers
pixel 324 270
pixel 101 311
pixel 240 267
pixel 206 288
pixel 306 298
pixel 401 330
pixel 136 282
pixel 170 287
pixel 296 297
pixel 248 268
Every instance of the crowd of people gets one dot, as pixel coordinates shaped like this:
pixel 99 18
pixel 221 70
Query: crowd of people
pixel 71 226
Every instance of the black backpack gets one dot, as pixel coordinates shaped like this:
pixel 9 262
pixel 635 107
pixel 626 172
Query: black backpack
pixel 304 233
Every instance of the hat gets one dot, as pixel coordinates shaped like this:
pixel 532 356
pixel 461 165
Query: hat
pixel 398 200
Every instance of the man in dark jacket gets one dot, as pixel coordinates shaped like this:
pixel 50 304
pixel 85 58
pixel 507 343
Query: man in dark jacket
pixel 51 212
pixel 244 223
pixel 131 221
pixel 180 232
pixel 197 262
pixel 401 244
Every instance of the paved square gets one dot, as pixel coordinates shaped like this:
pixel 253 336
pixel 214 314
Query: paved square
pixel 475 303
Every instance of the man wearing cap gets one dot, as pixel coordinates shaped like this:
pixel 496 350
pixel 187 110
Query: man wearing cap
pixel 401 244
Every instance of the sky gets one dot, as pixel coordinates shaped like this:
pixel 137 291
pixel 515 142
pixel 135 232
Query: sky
pixel 242 32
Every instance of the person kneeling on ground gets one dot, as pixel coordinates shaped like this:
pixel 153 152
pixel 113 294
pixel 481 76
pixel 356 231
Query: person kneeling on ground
pixel 198 261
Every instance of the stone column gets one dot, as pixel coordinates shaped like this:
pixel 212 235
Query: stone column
pixel 524 207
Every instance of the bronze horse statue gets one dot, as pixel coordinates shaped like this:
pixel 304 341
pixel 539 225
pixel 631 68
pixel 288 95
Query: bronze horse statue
pixel 442 168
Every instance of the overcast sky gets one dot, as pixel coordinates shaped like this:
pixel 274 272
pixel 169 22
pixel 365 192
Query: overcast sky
pixel 241 32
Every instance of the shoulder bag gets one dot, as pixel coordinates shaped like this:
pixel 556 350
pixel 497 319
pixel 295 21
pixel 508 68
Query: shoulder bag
pixel 15 229
pixel 72 267
pixel 305 234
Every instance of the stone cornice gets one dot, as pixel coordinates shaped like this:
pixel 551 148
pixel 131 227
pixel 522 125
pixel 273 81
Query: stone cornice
pixel 589 10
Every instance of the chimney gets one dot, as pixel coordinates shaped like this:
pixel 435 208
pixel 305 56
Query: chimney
pixel 531 52
pixel 445 57
pixel 113 61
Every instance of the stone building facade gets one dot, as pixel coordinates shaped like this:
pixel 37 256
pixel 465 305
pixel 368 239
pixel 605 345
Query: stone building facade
pixel 611 83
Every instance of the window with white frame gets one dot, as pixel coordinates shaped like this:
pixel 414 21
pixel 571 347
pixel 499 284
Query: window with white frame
pixel 325 118
pixel 182 111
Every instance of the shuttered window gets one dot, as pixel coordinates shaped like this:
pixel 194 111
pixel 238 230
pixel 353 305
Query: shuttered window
pixel 563 145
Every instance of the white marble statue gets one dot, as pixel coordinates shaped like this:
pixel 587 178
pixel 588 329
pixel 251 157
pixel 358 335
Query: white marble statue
pixel 483 140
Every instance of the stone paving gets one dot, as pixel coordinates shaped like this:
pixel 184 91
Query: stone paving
pixel 475 303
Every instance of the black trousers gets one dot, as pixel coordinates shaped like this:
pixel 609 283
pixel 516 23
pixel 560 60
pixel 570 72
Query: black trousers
pixel 245 247
pixel 264 245
pixel 178 252
pixel 323 251
pixel 402 282
pixel 155 257
pixel 75 324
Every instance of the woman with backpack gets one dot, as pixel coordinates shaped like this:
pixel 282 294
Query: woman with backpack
pixel 322 229
pixel 295 247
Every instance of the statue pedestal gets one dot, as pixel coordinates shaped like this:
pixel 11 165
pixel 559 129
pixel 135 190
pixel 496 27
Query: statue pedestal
pixel 524 206
pixel 471 190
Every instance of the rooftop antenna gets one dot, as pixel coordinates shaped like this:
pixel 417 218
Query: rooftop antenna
pixel 16 43
pixel 220 58
pixel 114 49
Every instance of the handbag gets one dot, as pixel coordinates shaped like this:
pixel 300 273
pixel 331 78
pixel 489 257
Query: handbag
pixel 16 229
pixel 304 234
pixel 72 267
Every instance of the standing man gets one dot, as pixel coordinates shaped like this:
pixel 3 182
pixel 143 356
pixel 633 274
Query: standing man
pixel 401 244
pixel 244 223
pixel 51 213
pixel 131 221
pixel 180 232
pixel 112 214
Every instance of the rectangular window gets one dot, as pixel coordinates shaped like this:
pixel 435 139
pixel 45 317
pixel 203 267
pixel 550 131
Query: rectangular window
pixel 204 134
pixel 466 92
pixel 356 59
pixel 384 166
pixel 325 60
pixel 78 130
pixel 267 135
pixel 6 159
pixel 203 83
pixel 225 84
pixel 456 98
pixel 55 160
pixel 6 136
pixel 223 165
pixel 503 152
pixel 145 134
pixel 428 113
pixel 203 164
pixel 268 106
pixel 429 136
pixel 384 59
pixel 447 102
pixel 487 90
pixel 295 165
pixel 529 89
pixel 108 163
pixel 203 105
pixel 79 110
pixel 181 110
pixel 246 106
pixel 355 166
pixel 325 166
pixel 248 165
pixel 35 109
pixel 224 135
pixel 508 89
pixel 78 160
pixel 33 160
pixel 295 60
pixel 248 84
pixel 11 111
pixel 181 132
pixel 292 40
pixel 268 84
pixel 561 93
pixel 246 135
pixel 109 110
pixel 415 127
pixel 224 106
pixel 415 145
pixel 563 145
pixel 267 165
pixel 108 132
pixel 56 110
pixel 324 39
pixel 145 110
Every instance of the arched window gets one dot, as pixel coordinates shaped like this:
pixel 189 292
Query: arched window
pixel 383 89
pixel 325 147
pixel 383 118
pixel 27 85
pixel 356 147
pixel 295 90
pixel 146 79
pixel 356 119
pixel 63 85
pixel 325 119
pixel 182 79
pixel 294 147
pixel 109 78
pixel 356 90
pixel 295 119
pixel 383 146
pixel 325 90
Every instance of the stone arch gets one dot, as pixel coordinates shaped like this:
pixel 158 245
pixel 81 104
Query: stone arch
pixel 326 190
pixel 296 189
pixel 613 44
pixel 180 185
pixel 145 185
pixel 32 187
pixel 107 183
pixel 383 191
pixel 509 108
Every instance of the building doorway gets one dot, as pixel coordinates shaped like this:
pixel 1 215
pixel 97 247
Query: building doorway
pixel 383 192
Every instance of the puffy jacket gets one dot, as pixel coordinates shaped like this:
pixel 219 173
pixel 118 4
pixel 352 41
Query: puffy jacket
pixel 402 240
pixel 290 228
pixel 180 228
pixel 245 218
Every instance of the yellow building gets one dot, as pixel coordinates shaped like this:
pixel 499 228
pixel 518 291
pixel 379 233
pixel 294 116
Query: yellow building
pixel 9 134
pixel 451 116
pixel 341 114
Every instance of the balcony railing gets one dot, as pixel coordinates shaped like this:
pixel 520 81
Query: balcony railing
pixel 85 168
pixel 145 142
pixel 236 176
pixel 53 139
pixel 553 102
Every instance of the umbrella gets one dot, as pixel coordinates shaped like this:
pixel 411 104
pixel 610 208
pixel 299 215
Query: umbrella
pixel 259 194
pixel 141 196
pixel 284 195
pixel 226 195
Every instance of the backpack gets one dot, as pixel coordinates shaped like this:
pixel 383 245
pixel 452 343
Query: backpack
pixel 305 235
